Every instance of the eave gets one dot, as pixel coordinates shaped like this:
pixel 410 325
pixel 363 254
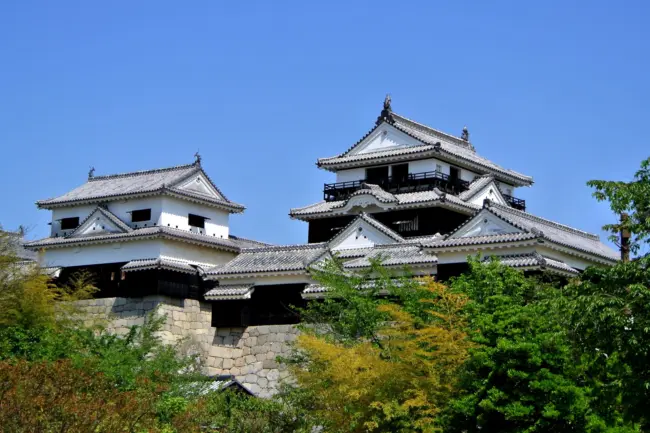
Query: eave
pixel 172 192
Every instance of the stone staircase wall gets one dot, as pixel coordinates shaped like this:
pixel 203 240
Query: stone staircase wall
pixel 249 354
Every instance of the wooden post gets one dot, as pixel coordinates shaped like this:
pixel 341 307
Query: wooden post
pixel 625 239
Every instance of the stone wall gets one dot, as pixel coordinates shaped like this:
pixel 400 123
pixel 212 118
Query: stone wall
pixel 248 353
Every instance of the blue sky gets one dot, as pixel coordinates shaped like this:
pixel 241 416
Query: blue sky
pixel 558 90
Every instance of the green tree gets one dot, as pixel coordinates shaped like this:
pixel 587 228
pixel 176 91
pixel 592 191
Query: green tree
pixel 522 376
pixel 607 314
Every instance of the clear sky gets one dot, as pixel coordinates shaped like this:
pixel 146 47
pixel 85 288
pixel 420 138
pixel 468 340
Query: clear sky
pixel 557 90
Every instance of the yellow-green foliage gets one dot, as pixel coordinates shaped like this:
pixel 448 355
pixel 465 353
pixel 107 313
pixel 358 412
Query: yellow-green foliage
pixel 397 382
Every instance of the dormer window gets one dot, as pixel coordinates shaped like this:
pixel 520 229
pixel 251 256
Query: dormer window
pixel 69 223
pixel 140 215
pixel 196 221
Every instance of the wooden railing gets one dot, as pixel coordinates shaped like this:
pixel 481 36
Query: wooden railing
pixel 413 182
pixel 515 202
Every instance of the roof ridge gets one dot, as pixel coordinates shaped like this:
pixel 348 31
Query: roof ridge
pixel 142 172
pixel 560 226
pixel 457 140
pixel 272 248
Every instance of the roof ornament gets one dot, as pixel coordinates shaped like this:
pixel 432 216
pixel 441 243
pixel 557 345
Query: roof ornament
pixel 197 158
pixel 387 113
pixel 91 173
pixel 465 135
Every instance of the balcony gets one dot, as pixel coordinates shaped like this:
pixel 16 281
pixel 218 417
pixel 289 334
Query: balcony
pixel 515 202
pixel 413 182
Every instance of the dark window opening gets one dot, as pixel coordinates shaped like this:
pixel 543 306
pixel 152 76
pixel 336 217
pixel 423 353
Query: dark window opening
pixel 196 221
pixel 400 172
pixel 69 223
pixel 269 305
pixel 408 225
pixel 454 174
pixel 376 175
pixel 140 215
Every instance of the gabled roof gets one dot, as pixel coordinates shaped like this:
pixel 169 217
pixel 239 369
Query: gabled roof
pixel 532 227
pixel 392 234
pixel 535 261
pixel 390 201
pixel 138 234
pixel 105 217
pixel 230 292
pixel 160 263
pixel 434 143
pixel 163 181
pixel 273 260
pixel 394 255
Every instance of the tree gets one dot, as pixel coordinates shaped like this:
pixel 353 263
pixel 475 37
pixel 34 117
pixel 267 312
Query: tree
pixel 631 198
pixel 391 370
pixel 521 377
pixel 607 311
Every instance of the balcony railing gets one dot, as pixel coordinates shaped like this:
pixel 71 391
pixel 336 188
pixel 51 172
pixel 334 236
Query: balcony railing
pixel 413 182
pixel 515 202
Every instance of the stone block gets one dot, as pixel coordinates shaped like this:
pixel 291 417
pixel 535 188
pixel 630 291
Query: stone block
pixel 240 362
pixel 251 378
pixel 260 357
pixel 263 373
pixel 253 331
pixel 228 364
pixel 273 375
pixel 262 382
pixel 254 388
pixel 270 364
pixel 251 341
pixel 263 330
pixel 257 366
pixel 249 359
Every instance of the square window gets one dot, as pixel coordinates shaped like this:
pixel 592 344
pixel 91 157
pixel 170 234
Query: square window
pixel 196 221
pixel 140 215
pixel 69 223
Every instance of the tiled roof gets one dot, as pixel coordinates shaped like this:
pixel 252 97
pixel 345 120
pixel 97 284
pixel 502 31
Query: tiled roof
pixel 554 232
pixel 247 243
pixel 159 263
pixel 476 186
pixel 147 232
pixel 434 142
pixel 534 260
pixel 532 227
pixel 276 259
pixel 139 183
pixel 230 292
pixel 481 240
pixel 394 255
pixel 405 200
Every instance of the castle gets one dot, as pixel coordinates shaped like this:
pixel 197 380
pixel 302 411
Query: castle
pixel 409 194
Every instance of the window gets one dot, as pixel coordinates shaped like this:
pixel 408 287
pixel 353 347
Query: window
pixel 140 215
pixel 438 168
pixel 196 221
pixel 454 173
pixel 69 223
pixel 408 225
pixel 400 172
pixel 376 175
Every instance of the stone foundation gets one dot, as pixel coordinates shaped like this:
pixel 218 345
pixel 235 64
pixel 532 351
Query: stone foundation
pixel 248 353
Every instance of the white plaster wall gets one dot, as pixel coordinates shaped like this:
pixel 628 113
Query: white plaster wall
pixel 101 253
pixel 504 187
pixel 68 212
pixel 573 261
pixel 367 237
pixel 122 208
pixel 489 193
pixel 385 137
pixel 175 211
pixel 351 174
pixel 194 253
